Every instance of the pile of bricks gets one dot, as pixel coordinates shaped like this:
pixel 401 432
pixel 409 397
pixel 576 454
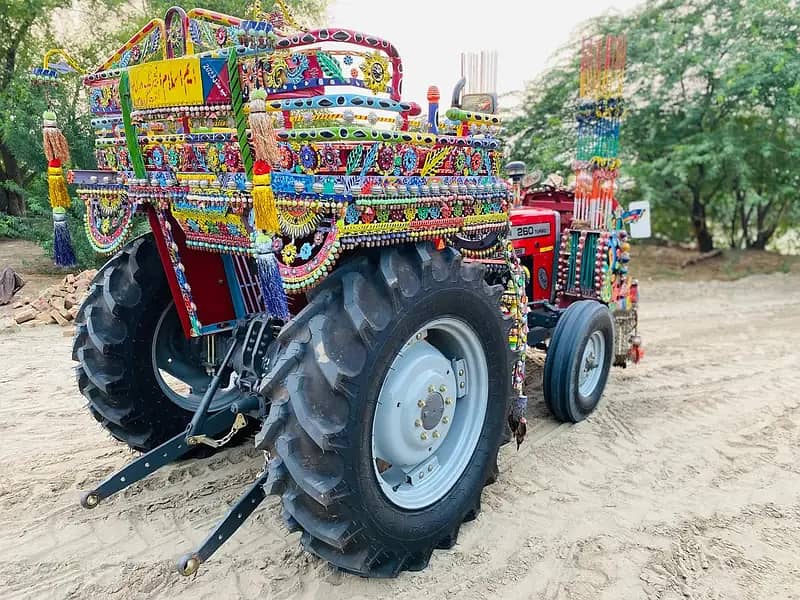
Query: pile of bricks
pixel 57 304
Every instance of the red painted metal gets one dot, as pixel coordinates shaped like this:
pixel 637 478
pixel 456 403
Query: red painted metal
pixel 561 201
pixel 535 235
pixel 205 273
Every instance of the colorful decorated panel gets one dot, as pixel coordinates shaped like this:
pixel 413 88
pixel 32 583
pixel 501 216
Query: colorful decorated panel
pixel 109 211
pixel 104 98
pixel 387 158
pixel 210 30
pixel 297 146
pixel 146 45
pixel 214 217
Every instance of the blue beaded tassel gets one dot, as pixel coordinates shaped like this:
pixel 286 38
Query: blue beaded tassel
pixel 63 253
pixel 269 278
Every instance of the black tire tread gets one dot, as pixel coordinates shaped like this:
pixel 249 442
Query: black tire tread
pixel 561 356
pixel 305 439
pixel 125 290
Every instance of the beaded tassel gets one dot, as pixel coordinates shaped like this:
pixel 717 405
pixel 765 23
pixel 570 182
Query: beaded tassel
pixel 265 151
pixel 265 145
pixel 269 278
pixel 266 212
pixel 57 152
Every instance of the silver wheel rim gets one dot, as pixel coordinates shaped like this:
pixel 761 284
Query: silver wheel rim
pixel 430 412
pixel 181 379
pixel 591 365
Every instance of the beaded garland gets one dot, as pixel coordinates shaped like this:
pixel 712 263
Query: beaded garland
pixel 177 265
pixel 109 209
pixel 514 303
pixel 109 217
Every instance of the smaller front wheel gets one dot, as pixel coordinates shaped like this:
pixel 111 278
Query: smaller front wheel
pixel 578 361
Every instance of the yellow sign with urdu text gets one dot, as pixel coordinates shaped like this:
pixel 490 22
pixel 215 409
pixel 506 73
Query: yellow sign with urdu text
pixel 174 82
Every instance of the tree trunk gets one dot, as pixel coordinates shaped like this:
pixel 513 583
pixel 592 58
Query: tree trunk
pixel 764 231
pixel 705 241
pixel 10 201
pixel 760 243
pixel 744 216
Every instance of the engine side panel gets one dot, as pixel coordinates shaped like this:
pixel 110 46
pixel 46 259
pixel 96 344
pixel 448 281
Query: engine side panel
pixel 534 234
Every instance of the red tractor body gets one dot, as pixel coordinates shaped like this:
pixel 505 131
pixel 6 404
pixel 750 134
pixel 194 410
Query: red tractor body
pixel 535 234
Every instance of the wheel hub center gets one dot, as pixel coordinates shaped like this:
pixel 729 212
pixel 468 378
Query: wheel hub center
pixel 433 411
pixel 415 410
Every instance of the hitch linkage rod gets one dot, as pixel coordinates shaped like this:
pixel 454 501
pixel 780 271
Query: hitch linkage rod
pixel 236 516
pixel 199 417
pixel 162 455
pixel 179 445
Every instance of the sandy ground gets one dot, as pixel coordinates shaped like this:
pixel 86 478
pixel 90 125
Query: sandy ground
pixel 684 484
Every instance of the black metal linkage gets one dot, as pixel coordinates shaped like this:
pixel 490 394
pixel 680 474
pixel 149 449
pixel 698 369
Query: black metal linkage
pixel 162 455
pixel 152 461
pixel 200 415
pixel 237 514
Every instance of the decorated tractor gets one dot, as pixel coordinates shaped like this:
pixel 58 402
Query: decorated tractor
pixel 330 269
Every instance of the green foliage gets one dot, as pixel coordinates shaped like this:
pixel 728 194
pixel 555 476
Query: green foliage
pixel 710 136
pixel 306 12
pixel 28 29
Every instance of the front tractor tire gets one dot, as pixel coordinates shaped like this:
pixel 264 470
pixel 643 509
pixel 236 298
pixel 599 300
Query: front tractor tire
pixel 578 361
pixel 140 375
pixel 388 401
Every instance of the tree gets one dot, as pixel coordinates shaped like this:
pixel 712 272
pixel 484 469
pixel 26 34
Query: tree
pixel 712 114
pixel 26 32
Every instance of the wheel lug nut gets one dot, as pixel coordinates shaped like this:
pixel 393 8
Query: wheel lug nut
pixel 431 388
pixel 461 372
pixel 448 400
pixel 417 423
pixel 430 468
pixel 461 385
pixel 423 436
pixel 436 434
pixel 421 474
pixel 442 388
pixel 445 420
pixel 421 403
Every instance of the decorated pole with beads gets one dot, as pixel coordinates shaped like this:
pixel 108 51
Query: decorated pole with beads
pixel 237 104
pixel 131 141
pixel 433 109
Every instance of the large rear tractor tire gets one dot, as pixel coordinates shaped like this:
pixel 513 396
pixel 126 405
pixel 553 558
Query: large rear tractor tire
pixel 142 378
pixel 578 361
pixel 389 396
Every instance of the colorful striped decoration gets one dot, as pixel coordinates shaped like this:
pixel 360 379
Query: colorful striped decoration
pixel 599 116
pixel 131 139
pixel 238 113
